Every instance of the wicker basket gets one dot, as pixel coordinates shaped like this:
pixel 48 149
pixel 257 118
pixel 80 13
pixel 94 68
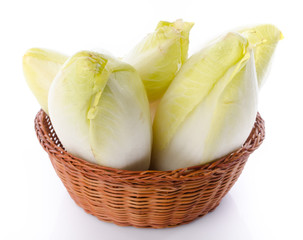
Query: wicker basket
pixel 154 199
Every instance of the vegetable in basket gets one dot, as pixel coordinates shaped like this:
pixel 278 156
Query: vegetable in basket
pixel 210 107
pixel 207 112
pixel 100 112
pixel 159 56
pixel 264 39
pixel 40 67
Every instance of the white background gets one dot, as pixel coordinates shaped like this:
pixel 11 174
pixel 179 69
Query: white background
pixel 265 203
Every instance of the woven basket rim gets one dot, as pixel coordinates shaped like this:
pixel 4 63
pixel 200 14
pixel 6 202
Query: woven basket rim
pixel 51 144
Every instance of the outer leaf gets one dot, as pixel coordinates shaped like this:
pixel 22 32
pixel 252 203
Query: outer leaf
pixel 193 83
pixel 40 67
pixel 264 40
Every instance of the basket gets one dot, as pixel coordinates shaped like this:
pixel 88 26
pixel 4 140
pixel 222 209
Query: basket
pixel 144 199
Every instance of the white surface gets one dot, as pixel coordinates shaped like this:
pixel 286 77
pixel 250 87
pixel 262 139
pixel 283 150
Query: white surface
pixel 266 202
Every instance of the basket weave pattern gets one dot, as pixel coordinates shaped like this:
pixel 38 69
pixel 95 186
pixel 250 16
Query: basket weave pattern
pixel 154 199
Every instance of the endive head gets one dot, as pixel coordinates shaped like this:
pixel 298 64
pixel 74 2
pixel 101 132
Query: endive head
pixel 159 56
pixel 40 67
pixel 212 98
pixel 100 111
pixel 183 28
pixel 263 39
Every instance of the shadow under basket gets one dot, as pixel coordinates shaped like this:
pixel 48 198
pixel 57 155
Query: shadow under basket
pixel 156 199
